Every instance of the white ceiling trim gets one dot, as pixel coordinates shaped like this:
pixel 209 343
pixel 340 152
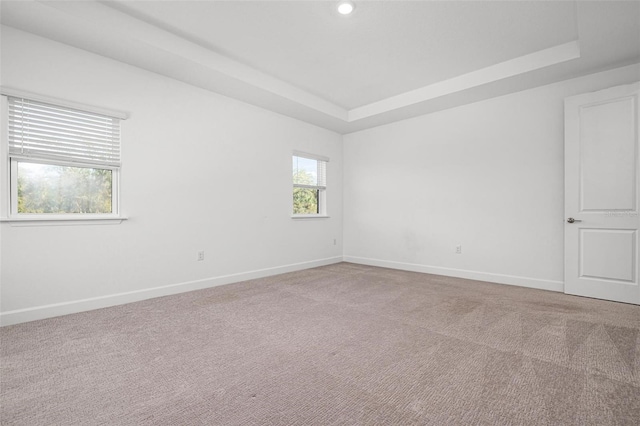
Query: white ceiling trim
pixel 110 20
pixel 537 60
pixel 96 27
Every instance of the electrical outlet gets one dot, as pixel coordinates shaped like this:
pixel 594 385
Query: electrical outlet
pixel 458 249
pixel 334 241
pixel 200 255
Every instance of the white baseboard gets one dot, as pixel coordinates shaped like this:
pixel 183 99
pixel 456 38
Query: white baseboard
pixel 461 273
pixel 57 309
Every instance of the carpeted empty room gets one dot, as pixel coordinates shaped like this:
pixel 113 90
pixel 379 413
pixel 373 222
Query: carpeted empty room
pixel 319 212
pixel 342 344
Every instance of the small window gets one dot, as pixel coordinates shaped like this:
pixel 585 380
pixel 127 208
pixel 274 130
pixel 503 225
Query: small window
pixel 62 161
pixel 309 185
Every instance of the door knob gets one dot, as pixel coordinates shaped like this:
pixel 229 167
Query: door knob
pixel 572 220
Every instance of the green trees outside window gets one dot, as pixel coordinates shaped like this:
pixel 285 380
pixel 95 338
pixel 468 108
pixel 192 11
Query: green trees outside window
pixel 48 188
pixel 305 200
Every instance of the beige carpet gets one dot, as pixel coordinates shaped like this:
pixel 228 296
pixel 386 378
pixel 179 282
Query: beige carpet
pixel 338 345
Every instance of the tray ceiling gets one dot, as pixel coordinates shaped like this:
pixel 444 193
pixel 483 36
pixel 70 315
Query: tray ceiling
pixel 388 61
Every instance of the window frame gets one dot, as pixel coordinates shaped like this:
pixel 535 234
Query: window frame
pixel 322 191
pixel 8 188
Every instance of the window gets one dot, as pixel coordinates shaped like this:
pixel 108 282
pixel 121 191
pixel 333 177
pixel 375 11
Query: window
pixel 62 161
pixel 309 185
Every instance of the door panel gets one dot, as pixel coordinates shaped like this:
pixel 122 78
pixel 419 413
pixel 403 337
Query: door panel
pixel 614 263
pixel 608 170
pixel 601 194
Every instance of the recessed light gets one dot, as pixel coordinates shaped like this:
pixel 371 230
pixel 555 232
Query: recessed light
pixel 345 7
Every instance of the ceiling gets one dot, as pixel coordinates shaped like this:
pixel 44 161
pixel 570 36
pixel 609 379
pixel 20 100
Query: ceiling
pixel 388 61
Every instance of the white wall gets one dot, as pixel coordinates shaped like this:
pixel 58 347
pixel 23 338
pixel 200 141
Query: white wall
pixel 200 172
pixel 487 176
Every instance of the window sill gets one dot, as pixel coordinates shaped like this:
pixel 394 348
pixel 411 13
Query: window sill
pixel 62 221
pixel 310 216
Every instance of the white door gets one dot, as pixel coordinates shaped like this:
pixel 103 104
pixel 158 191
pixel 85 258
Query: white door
pixel 601 194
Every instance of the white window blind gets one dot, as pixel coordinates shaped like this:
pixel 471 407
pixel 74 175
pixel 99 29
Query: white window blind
pixel 43 131
pixel 309 173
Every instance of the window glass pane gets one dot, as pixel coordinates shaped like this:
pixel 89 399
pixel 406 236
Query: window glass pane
pixel 305 201
pixel 47 188
pixel 305 171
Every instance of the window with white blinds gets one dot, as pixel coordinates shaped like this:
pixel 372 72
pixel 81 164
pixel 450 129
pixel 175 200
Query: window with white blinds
pixel 63 160
pixel 309 184
pixel 42 131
